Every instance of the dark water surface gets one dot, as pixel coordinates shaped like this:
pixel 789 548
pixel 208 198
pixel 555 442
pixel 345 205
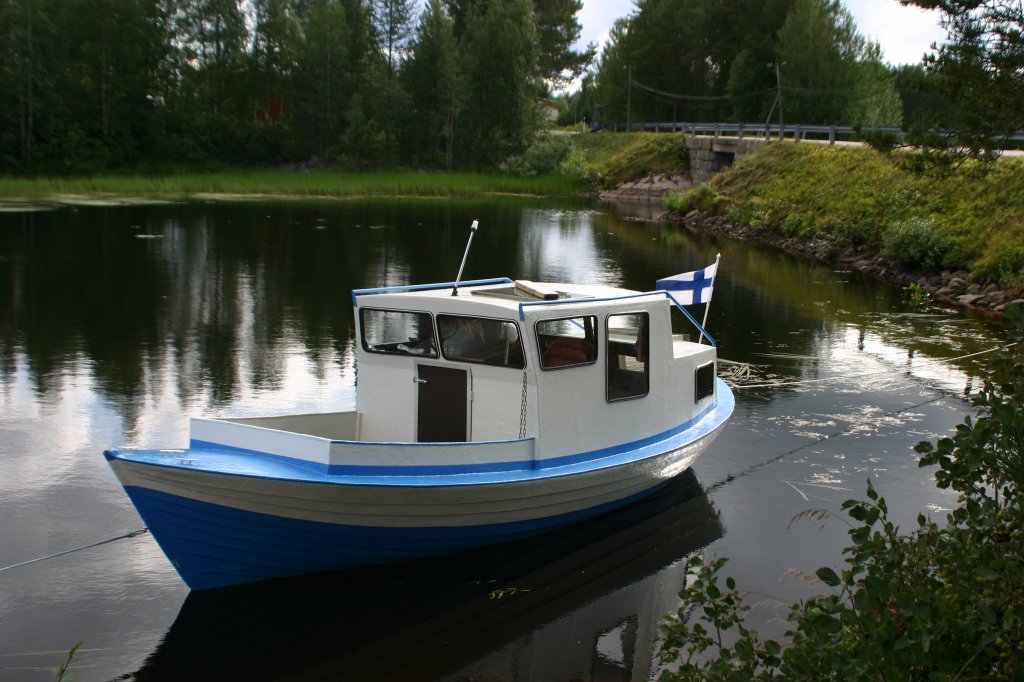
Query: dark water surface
pixel 116 323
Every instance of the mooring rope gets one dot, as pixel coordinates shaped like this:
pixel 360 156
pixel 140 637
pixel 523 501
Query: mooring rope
pixel 134 533
pixel 773 384
pixel 842 432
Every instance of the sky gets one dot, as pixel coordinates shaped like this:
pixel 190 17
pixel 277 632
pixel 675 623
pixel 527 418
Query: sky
pixel 905 33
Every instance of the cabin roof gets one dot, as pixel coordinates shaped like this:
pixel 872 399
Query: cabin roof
pixel 499 297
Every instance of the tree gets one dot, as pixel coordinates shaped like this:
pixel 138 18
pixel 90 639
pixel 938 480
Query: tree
pixel 497 115
pixel 818 49
pixel 612 77
pixel 982 72
pixel 213 34
pixel 393 20
pixel 430 78
pixel 25 30
pixel 830 73
pixel 275 41
pixel 557 30
pixel 323 83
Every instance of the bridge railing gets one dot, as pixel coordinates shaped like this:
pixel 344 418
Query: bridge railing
pixel 795 131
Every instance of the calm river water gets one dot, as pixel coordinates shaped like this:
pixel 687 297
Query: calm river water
pixel 116 323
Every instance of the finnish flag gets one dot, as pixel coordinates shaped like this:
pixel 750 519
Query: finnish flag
pixel 689 288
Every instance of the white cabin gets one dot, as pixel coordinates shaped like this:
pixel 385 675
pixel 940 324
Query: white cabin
pixel 577 369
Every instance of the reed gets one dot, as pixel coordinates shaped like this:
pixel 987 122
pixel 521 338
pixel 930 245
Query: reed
pixel 286 183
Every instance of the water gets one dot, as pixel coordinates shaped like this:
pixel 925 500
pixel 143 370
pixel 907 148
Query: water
pixel 116 323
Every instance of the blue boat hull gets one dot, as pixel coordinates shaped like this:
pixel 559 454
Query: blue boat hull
pixel 213 546
pixel 226 517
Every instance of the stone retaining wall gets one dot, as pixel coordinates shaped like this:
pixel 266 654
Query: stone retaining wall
pixel 708 155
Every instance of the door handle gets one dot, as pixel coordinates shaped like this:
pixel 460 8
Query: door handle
pixel 416 380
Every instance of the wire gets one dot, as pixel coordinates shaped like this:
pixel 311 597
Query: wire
pixel 864 374
pixel 134 533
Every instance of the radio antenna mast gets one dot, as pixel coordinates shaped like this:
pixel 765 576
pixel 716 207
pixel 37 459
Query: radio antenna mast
pixel 472 231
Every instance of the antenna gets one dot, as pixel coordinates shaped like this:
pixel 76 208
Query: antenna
pixel 472 231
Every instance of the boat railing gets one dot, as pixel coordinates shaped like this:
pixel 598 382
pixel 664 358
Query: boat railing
pixel 426 287
pixel 562 301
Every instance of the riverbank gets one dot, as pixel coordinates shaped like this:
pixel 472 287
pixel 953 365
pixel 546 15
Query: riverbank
pixel 954 288
pixel 277 183
pixel 959 238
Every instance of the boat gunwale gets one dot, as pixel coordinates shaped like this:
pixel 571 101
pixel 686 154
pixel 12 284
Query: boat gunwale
pixel 715 416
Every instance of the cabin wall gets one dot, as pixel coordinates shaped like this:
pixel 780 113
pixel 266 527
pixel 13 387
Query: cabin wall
pixel 497 401
pixel 332 425
pixel 575 416
pixel 386 397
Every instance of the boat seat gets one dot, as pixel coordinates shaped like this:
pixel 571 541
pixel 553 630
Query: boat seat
pixel 563 351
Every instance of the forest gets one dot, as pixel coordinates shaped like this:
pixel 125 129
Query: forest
pixel 160 85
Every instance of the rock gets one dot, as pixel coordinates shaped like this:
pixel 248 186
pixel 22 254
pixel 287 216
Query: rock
pixel 974 288
pixel 957 284
pixel 991 289
pixel 969 299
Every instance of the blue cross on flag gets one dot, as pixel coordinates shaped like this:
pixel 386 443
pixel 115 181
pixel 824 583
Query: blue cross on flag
pixel 689 288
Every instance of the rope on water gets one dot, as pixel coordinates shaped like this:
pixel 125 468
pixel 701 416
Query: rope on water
pixel 842 432
pixel 134 533
pixel 773 384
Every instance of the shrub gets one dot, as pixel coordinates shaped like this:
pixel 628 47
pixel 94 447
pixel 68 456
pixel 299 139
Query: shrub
pixel 939 603
pixel 544 157
pixel 701 198
pixel 917 243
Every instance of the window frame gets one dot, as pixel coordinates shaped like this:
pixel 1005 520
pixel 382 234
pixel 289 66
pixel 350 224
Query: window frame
pixel 541 351
pixel 647 363
pixel 697 397
pixel 479 361
pixel 434 354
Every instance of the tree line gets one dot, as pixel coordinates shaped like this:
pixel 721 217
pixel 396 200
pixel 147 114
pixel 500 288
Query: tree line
pixel 104 84
pixel 93 84
pixel 745 60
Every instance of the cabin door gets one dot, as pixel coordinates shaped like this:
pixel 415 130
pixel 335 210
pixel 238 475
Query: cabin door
pixel 442 413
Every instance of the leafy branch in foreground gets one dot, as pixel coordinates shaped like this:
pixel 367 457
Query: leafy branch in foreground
pixel 61 671
pixel 941 602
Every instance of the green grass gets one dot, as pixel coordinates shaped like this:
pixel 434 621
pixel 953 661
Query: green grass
pixel 621 157
pixel 857 196
pixel 284 183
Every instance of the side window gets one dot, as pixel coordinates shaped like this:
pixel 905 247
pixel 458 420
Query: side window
pixel 481 340
pixel 569 342
pixel 704 382
pixel 397 332
pixel 629 371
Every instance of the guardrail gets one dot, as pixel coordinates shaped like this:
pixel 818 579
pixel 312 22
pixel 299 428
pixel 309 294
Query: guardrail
pixel 795 131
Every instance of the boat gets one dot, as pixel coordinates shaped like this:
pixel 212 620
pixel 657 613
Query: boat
pixel 486 412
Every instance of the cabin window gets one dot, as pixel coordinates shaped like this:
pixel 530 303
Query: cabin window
pixel 481 340
pixel 704 382
pixel 569 342
pixel 628 356
pixel 397 332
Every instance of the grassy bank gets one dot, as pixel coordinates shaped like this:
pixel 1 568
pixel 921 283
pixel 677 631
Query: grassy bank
pixel 620 157
pixel 320 183
pixel 837 197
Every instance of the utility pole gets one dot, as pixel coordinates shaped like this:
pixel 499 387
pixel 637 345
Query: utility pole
pixel 778 84
pixel 629 97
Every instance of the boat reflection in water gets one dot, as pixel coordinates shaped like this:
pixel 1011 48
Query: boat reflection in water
pixel 579 603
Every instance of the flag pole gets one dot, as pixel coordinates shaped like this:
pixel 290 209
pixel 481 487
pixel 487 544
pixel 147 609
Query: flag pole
pixel 707 306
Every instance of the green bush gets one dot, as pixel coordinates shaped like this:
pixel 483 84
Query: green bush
pixel 701 198
pixel 544 157
pixel 917 243
pixel 943 602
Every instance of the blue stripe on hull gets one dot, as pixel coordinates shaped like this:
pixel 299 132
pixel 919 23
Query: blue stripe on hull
pixel 215 546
